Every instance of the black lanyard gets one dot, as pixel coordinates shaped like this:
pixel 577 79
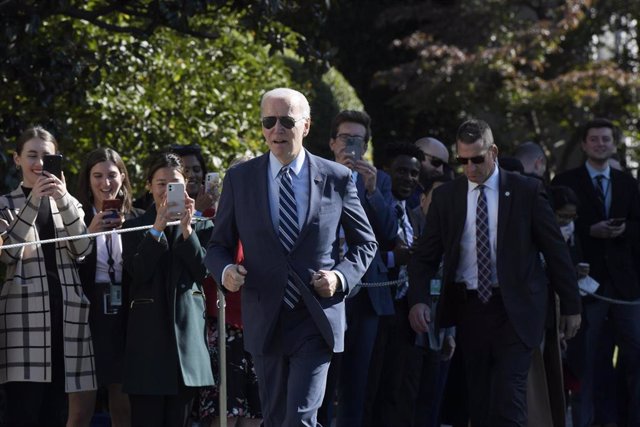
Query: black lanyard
pixel 110 261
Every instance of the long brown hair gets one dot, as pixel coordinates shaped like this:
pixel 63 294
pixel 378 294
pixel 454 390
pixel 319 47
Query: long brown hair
pixel 99 155
pixel 34 132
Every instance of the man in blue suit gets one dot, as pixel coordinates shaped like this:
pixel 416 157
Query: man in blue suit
pixel 350 133
pixel 286 207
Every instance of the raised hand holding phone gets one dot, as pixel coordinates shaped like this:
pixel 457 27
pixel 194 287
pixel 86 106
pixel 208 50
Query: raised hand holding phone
pixel 211 182
pixel 616 222
pixel 111 208
pixel 175 200
pixel 52 163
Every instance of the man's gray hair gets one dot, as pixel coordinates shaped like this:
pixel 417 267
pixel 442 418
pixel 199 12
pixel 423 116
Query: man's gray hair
pixel 293 95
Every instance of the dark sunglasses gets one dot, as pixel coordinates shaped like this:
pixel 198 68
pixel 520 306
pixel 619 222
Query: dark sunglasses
pixel 476 160
pixel 286 121
pixel 435 162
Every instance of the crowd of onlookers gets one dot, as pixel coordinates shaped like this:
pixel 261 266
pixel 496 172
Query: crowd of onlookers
pixel 125 322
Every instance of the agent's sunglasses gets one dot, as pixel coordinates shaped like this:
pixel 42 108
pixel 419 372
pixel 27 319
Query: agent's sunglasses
pixel 286 121
pixel 476 160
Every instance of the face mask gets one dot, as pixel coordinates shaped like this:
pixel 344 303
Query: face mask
pixel 567 231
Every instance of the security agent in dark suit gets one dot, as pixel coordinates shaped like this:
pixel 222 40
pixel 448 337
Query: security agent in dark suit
pixel 608 227
pixel 495 292
pixel 293 283
pixel 350 371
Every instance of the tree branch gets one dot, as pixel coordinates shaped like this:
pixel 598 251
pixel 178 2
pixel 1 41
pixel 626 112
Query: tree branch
pixel 142 30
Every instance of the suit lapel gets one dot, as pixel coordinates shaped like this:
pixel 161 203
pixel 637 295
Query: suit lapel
pixel 262 195
pixel 316 185
pixel 460 207
pixel 504 207
pixel 617 194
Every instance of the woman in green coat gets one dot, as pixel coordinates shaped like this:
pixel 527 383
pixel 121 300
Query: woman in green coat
pixel 166 357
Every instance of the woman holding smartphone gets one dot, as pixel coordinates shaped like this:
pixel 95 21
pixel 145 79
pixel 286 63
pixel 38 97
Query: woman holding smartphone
pixel 195 169
pixel 104 190
pixel 45 333
pixel 166 357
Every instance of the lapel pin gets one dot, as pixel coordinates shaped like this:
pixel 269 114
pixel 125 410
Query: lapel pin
pixel 507 194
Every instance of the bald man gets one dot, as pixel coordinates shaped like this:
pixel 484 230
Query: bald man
pixel 436 156
pixel 532 157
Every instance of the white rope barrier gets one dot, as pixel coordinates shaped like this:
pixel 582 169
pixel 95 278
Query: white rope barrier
pixel 90 235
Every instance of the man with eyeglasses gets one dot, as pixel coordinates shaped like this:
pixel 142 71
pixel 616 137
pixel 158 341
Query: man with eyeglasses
pixel 491 225
pixel 286 207
pixel 349 372
pixel 608 228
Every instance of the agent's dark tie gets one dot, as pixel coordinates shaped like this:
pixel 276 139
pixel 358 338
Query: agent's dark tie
pixel 288 229
pixel 600 194
pixel 483 247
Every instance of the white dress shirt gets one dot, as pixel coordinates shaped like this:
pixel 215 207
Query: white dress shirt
pixel 102 257
pixel 467 271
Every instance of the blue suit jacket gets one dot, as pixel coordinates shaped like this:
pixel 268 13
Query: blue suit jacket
pixel 244 215
pixel 381 214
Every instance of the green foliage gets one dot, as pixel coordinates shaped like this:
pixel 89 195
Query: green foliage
pixel 175 89
pixel 139 76
pixel 533 70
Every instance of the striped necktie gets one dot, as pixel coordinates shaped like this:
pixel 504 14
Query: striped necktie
pixel 600 194
pixel 483 248
pixel 288 229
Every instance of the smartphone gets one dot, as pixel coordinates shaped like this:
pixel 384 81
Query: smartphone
pixel 113 206
pixel 211 180
pixel 616 222
pixel 52 163
pixel 353 147
pixel 175 199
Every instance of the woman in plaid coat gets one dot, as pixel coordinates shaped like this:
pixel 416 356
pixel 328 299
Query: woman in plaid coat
pixel 45 342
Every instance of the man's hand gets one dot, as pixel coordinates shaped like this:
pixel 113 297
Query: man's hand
pixel 368 173
pixel 233 277
pixel 448 348
pixel 325 283
pixel 569 325
pixel 603 230
pixel 420 317
pixel 401 253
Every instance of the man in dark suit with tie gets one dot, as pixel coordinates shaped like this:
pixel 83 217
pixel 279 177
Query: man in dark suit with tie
pixel 286 208
pixel 397 357
pixel 350 371
pixel 492 226
pixel 608 226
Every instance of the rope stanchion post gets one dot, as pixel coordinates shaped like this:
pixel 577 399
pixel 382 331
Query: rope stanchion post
pixel 222 360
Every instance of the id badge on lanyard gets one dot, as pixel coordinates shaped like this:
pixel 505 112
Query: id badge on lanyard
pixel 112 295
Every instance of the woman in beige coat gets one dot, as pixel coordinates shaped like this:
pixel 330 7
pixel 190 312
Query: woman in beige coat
pixel 45 342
